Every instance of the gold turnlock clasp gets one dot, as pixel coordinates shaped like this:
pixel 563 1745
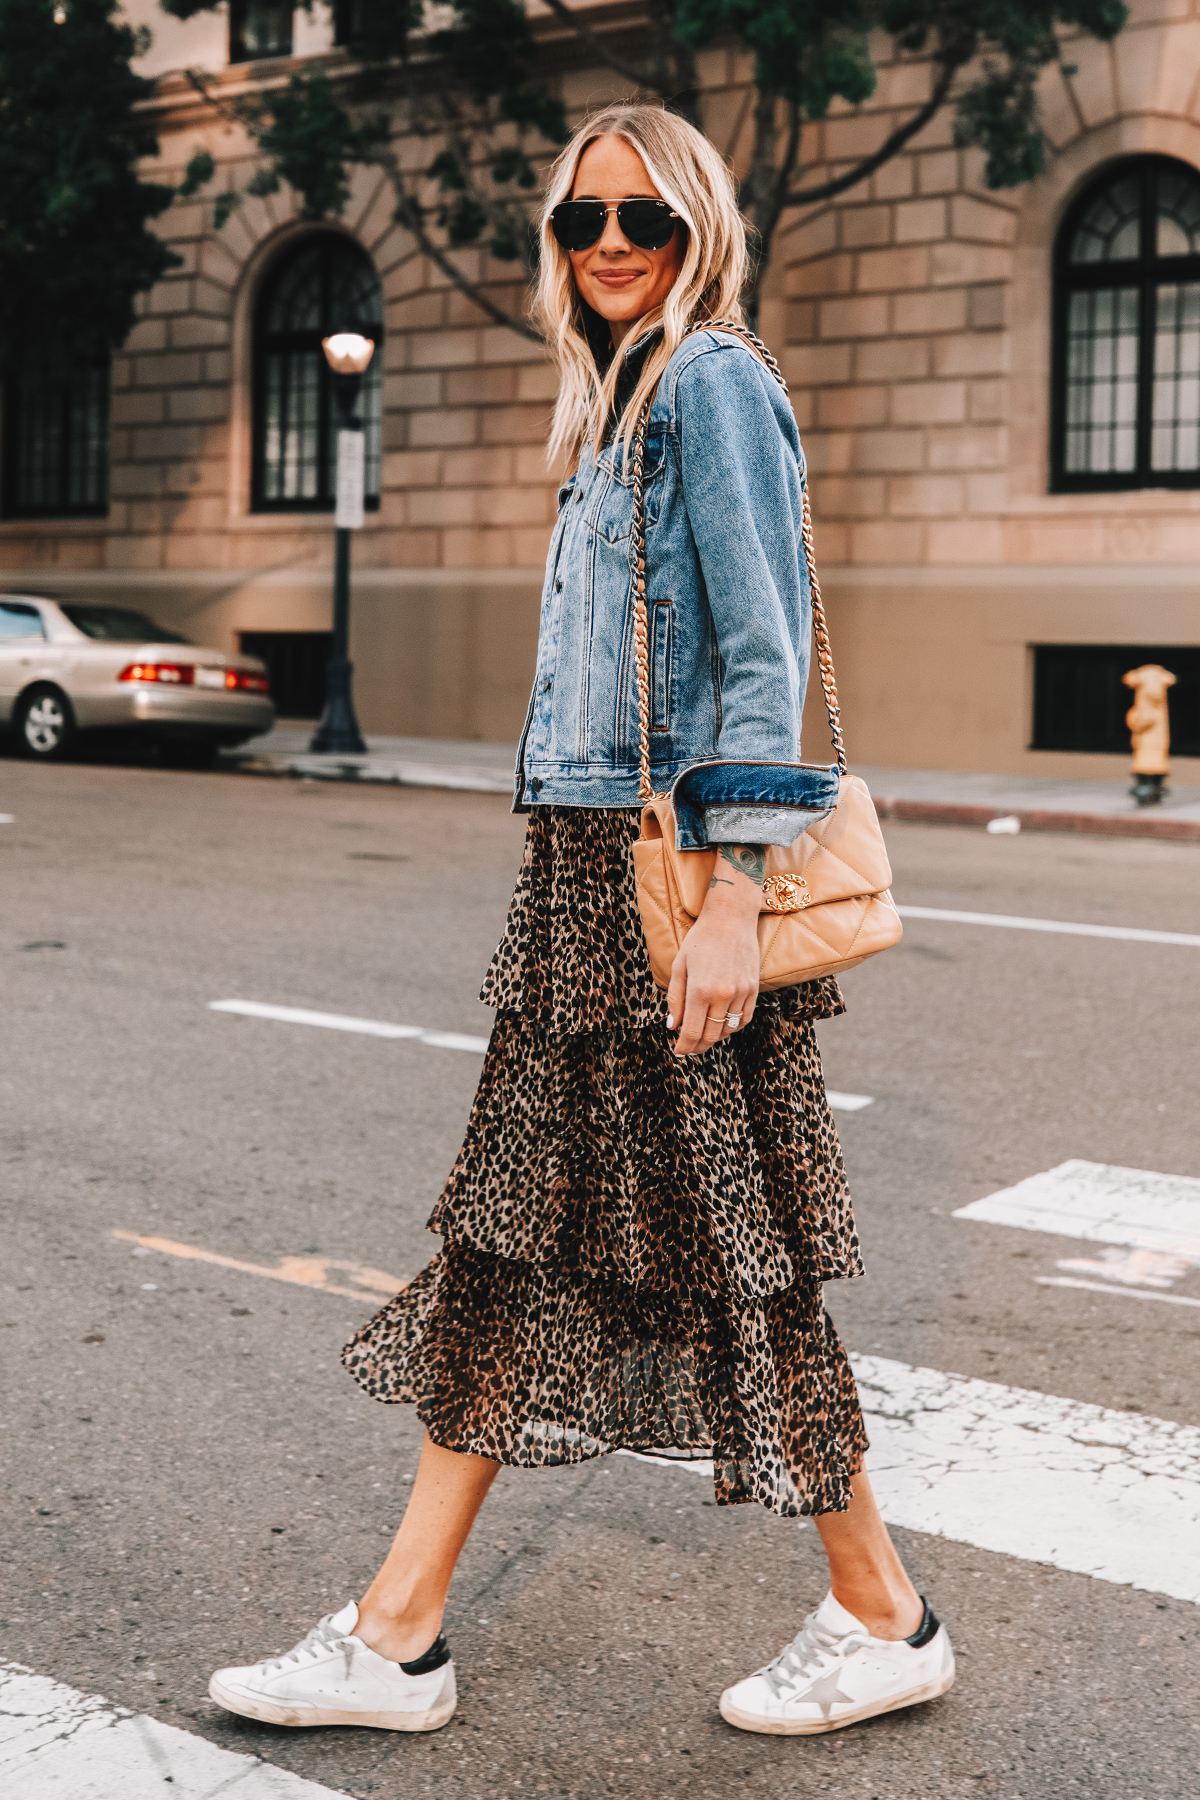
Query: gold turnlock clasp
pixel 786 893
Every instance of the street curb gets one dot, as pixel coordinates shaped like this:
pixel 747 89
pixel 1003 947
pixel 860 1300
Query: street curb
pixel 376 774
pixel 911 812
pixel 937 812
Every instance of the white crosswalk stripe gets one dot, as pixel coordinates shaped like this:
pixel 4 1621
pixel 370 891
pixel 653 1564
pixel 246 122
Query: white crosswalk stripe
pixel 439 1040
pixel 380 1028
pixel 1101 1203
pixel 1129 934
pixel 1148 1223
pixel 59 1744
pixel 1114 1495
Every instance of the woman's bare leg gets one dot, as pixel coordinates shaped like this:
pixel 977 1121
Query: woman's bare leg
pixel 400 1614
pixel 868 1578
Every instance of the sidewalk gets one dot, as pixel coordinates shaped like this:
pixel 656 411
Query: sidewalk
pixel 929 796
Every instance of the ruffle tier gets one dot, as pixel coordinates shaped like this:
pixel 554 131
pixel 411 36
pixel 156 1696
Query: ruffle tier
pixel 606 1153
pixel 536 1366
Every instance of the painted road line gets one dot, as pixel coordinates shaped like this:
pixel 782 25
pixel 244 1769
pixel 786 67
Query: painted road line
pixel 1113 1495
pixel 1103 1204
pixel 1102 1287
pixel 1132 934
pixel 59 1744
pixel 302 1271
pixel 1110 1494
pixel 380 1028
pixel 439 1040
pixel 695 1465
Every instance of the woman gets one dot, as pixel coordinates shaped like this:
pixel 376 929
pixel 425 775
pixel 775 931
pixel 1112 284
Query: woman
pixel 651 1191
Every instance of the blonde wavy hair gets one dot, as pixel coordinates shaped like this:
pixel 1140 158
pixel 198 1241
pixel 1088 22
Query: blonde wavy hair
pixel 697 184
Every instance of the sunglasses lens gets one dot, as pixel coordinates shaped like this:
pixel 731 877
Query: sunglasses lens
pixel 646 223
pixel 578 224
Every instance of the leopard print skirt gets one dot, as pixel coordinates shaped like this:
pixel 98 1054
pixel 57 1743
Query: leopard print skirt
pixel 634 1245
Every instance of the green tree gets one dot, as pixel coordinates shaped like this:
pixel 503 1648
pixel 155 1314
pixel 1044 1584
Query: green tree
pixel 76 246
pixel 475 86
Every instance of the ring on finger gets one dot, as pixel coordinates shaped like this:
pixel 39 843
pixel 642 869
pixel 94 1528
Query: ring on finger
pixel 733 1020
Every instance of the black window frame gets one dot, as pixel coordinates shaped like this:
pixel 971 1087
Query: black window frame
pixel 265 343
pixel 1068 708
pixel 11 504
pixel 1146 274
pixel 239 52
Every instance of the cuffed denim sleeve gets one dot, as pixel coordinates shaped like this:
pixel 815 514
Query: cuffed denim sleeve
pixel 750 803
pixel 740 470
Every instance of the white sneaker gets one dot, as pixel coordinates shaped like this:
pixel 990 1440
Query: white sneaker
pixel 333 1678
pixel 834 1673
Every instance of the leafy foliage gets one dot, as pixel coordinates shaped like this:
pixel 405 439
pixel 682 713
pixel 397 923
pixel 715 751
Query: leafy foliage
pixel 75 247
pixel 310 141
pixel 474 84
pixel 807 53
pixel 1016 39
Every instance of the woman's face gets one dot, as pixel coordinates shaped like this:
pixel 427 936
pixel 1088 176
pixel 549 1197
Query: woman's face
pixel 619 281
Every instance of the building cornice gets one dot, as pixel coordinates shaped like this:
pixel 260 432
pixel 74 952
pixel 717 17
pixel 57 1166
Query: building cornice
pixel 177 105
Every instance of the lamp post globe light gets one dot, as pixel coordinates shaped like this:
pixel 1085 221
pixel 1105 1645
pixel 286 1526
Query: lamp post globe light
pixel 348 354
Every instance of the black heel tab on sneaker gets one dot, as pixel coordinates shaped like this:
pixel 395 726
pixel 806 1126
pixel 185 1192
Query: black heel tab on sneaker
pixel 927 1629
pixel 437 1654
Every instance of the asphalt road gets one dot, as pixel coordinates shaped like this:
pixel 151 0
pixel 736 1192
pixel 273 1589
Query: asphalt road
pixel 191 1479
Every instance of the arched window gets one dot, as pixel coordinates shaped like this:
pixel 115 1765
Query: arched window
pixel 56 445
pixel 325 284
pixel 1126 410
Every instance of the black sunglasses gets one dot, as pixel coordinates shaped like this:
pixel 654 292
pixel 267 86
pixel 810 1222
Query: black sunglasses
pixel 648 224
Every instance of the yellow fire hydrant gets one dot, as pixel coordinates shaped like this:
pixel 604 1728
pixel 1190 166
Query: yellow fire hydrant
pixel 1150 727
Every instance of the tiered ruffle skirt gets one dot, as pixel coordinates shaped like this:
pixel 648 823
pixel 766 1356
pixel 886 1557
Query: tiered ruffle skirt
pixel 634 1244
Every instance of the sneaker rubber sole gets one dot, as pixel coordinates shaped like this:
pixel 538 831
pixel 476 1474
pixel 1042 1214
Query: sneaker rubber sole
pixel 273 1712
pixel 814 1727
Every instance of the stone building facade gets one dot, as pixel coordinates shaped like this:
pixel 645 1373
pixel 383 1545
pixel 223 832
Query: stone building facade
pixel 1005 451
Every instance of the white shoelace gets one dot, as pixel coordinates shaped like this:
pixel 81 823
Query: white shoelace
pixel 809 1654
pixel 321 1638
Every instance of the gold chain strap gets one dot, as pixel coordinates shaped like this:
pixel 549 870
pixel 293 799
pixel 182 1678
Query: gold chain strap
pixel 640 625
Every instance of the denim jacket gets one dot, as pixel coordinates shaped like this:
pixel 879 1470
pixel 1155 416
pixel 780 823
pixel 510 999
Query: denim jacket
pixel 729 611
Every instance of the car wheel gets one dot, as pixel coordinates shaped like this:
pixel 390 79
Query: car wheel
pixel 44 723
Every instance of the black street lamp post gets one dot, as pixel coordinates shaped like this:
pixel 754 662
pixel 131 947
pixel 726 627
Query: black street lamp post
pixel 348 354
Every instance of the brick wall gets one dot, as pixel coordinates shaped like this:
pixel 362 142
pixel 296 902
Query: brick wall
pixel 912 317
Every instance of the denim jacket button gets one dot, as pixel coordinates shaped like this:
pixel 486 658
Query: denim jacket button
pixel 536 784
pixel 547 685
pixel 558 587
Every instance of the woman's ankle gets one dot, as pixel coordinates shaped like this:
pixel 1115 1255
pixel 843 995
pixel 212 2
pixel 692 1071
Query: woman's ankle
pixel 401 1634
pixel 888 1615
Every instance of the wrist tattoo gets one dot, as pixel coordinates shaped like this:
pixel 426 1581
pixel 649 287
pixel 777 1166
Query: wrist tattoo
pixel 719 881
pixel 750 859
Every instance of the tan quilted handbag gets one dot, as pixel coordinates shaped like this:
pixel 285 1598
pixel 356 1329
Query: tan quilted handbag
pixel 826 899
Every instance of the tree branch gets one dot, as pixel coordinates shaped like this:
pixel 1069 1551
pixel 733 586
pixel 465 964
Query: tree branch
pixel 826 190
pixel 597 46
pixel 408 214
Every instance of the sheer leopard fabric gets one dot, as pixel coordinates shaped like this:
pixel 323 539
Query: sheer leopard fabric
pixel 634 1245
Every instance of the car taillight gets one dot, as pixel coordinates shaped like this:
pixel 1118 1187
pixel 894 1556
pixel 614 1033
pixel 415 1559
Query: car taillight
pixel 177 674
pixel 247 682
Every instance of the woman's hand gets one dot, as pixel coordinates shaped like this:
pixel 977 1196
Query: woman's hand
pixel 717 968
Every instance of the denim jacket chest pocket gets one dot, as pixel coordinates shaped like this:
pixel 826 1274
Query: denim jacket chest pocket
pixel 610 514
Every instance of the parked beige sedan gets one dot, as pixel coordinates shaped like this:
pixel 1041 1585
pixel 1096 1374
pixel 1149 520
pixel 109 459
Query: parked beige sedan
pixel 68 666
